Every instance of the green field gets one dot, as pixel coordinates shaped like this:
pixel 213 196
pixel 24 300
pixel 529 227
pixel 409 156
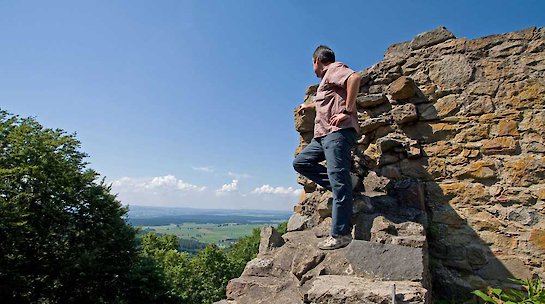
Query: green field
pixel 220 234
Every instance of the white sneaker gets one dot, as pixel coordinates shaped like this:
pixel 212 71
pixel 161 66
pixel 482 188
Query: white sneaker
pixel 332 242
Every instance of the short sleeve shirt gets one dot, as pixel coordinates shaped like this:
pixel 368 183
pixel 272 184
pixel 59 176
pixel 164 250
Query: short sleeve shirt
pixel 331 99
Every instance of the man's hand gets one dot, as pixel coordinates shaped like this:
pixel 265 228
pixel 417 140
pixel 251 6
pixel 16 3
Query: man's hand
pixel 337 118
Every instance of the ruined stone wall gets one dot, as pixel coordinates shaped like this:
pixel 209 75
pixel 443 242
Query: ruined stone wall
pixel 452 137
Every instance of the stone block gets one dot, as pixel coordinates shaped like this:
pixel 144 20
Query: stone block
pixel 372 124
pixel 297 222
pixel 499 145
pixel 403 114
pixel 402 88
pixel 451 73
pixel 304 120
pixel 270 238
pixel 436 36
pixel 335 289
pixel 374 183
pixel 389 262
pixel 371 100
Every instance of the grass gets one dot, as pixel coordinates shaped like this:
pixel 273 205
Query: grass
pixel 206 233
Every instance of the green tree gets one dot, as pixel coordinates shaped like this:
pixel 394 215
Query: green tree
pixel 63 236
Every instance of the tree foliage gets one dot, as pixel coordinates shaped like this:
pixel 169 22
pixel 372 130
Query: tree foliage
pixel 63 236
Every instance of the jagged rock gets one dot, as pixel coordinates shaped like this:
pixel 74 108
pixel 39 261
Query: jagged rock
pixel 430 38
pixel 477 170
pixel 374 183
pixel 504 144
pixel 402 88
pixel 304 120
pixel 505 128
pixel 477 105
pixel 389 262
pixel 372 124
pixel 403 114
pixel 451 73
pixel 259 267
pixel 258 290
pixel 473 159
pixel 371 100
pixel 333 289
pixel 297 222
pixel 270 238
pixel 225 302
pixel 388 143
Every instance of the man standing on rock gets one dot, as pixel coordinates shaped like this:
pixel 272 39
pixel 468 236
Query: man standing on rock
pixel 335 133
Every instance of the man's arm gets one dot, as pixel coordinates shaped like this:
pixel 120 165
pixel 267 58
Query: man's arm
pixel 352 88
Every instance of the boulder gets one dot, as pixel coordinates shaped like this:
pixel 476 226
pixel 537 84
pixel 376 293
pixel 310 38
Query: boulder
pixel 403 114
pixel 270 238
pixel 402 88
pixel 334 289
pixel 430 38
pixel 371 100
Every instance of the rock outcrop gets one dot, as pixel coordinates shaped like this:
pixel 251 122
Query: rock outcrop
pixel 448 174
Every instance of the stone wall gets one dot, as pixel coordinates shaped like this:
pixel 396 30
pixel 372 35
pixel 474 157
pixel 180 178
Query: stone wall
pixel 453 138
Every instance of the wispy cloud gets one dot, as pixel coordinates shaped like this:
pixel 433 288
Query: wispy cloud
pixel 168 190
pixel 267 189
pixel 226 188
pixel 206 169
pixel 238 175
pixel 167 182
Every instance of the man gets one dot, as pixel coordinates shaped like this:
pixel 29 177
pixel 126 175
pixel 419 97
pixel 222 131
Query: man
pixel 335 131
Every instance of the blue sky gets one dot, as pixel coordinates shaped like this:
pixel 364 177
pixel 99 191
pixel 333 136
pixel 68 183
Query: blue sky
pixel 190 103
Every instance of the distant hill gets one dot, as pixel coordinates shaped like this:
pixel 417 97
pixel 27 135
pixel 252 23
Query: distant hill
pixel 153 216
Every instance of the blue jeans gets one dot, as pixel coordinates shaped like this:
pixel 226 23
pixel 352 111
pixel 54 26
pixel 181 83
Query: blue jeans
pixel 335 149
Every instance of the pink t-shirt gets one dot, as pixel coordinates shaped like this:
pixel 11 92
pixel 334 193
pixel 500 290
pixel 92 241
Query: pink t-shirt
pixel 331 99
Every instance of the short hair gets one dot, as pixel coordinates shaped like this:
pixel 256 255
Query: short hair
pixel 325 54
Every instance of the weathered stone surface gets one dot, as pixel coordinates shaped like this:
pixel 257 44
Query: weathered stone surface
pixel 537 239
pixel 521 94
pixel 297 222
pixel 270 238
pixel 304 120
pixel 258 290
pixel 524 171
pixel 371 100
pixel 402 88
pixel 390 142
pixel 477 105
pixel 398 51
pixel 533 143
pixel 504 144
pixel 477 170
pixel 473 159
pixel 372 124
pixel 225 302
pixel 505 128
pixel 404 263
pixel 447 105
pixel 409 192
pixel 348 290
pixel 451 73
pixel 374 183
pixel 403 114
pixel 430 38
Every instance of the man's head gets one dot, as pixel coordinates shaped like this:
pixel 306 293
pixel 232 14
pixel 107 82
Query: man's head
pixel 322 56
